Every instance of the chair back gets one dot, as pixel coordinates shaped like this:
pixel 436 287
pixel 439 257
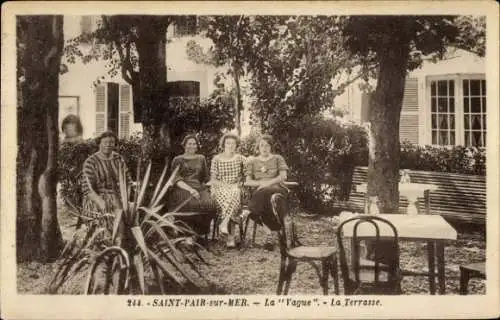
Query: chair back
pixel 376 240
pixel 287 234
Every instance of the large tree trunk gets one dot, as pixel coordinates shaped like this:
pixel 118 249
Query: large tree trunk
pixel 39 55
pixel 385 111
pixel 51 239
pixel 151 47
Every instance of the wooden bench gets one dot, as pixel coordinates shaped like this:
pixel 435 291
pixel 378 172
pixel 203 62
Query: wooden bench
pixel 459 197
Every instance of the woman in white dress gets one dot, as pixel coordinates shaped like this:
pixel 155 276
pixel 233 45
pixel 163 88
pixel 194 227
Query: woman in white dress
pixel 226 180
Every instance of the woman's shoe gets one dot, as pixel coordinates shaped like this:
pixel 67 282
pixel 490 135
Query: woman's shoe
pixel 230 243
pixel 270 243
pixel 223 227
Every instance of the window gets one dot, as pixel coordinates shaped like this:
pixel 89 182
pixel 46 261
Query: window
pixel 113 107
pixel 474 112
pixel 86 24
pixel 458 110
pixel 443 112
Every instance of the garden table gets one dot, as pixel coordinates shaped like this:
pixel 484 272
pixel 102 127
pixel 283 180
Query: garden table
pixel 432 229
pixel 409 190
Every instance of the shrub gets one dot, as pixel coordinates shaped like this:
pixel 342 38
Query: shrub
pixel 459 159
pixel 321 155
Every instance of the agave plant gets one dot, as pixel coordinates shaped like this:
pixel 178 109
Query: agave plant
pixel 142 237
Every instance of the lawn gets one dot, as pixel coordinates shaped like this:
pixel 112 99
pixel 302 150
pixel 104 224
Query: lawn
pixel 255 271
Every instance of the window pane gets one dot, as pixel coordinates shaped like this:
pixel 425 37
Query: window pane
pixel 475 105
pixel 466 104
pixel 443 138
pixel 484 104
pixel 466 87
pixel 433 88
pixel 451 87
pixel 433 104
pixel 452 104
pixel 467 122
pixel 476 138
pixel 484 137
pixel 475 87
pixel 442 105
pixel 452 121
pixel 476 122
pixel 433 121
pixel 452 137
pixel 467 138
pixel 483 87
pixel 443 122
pixel 484 122
pixel 443 88
pixel 434 137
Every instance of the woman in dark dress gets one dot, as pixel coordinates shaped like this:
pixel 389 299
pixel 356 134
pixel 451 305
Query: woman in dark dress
pixel 266 173
pixel 190 191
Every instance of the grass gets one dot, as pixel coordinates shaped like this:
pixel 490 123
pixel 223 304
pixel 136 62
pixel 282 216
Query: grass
pixel 255 271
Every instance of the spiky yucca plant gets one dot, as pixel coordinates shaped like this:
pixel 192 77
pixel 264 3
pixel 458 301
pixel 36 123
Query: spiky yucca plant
pixel 142 237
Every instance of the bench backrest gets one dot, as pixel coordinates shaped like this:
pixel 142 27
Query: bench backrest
pixel 458 196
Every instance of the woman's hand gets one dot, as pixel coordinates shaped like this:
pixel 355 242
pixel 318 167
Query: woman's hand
pixel 101 204
pixel 265 184
pixel 195 193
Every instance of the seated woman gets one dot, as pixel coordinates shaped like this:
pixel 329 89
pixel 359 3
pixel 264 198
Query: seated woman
pixel 100 182
pixel 266 172
pixel 190 191
pixel 226 179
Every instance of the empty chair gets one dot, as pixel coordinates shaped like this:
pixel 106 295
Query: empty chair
pixel 292 251
pixel 363 276
pixel 473 270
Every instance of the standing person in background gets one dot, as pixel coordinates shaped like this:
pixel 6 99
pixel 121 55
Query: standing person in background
pixel 190 191
pixel 226 180
pixel 72 128
pixel 266 172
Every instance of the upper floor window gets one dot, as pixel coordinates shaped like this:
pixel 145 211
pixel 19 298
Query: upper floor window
pixel 186 26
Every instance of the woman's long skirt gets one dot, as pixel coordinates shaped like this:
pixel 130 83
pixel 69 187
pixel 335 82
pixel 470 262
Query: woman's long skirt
pixel 205 205
pixel 260 205
pixel 228 199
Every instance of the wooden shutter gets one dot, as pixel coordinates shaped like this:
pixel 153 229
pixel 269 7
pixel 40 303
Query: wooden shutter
pixel 125 103
pixel 408 126
pixel 100 109
pixel 365 107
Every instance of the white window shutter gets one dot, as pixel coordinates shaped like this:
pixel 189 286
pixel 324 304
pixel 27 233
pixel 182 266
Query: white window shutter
pixel 125 106
pixel 100 109
pixel 408 125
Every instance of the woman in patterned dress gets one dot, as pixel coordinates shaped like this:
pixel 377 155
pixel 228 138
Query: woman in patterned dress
pixel 100 182
pixel 226 180
pixel 190 191
pixel 266 172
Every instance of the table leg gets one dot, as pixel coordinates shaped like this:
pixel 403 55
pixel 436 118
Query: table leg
pixel 440 266
pixel 432 266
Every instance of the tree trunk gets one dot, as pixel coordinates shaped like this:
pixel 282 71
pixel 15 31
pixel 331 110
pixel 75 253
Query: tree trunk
pixel 41 39
pixel 51 239
pixel 151 47
pixel 239 102
pixel 385 111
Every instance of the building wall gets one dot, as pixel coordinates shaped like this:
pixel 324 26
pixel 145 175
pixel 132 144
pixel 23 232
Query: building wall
pixel 457 64
pixel 77 83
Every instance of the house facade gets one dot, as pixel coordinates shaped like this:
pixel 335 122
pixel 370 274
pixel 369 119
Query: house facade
pixel 444 103
pixel 109 105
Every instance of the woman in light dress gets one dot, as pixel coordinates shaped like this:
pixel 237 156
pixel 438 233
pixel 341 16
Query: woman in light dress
pixel 267 173
pixel 226 180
